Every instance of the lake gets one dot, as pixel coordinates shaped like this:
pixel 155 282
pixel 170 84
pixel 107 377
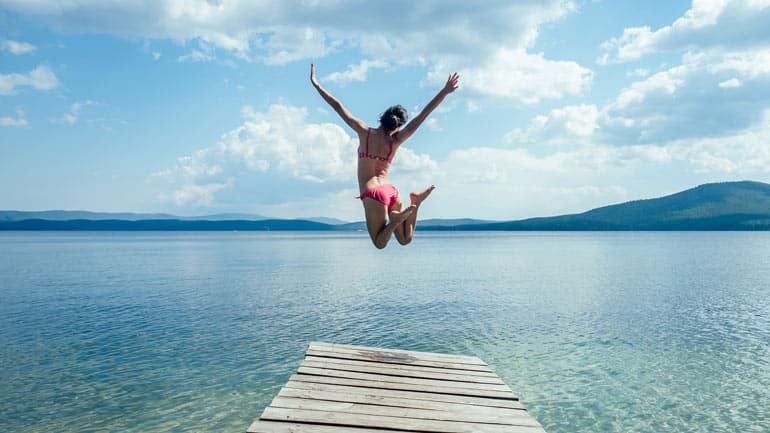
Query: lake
pixel 193 331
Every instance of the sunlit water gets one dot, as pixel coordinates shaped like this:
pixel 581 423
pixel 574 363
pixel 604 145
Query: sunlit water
pixel 596 332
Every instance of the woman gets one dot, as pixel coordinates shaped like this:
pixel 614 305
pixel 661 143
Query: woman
pixel 376 148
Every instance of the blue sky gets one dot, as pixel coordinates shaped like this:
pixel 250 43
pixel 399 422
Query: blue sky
pixel 197 107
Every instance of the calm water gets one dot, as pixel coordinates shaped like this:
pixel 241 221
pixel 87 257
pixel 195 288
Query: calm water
pixel 596 332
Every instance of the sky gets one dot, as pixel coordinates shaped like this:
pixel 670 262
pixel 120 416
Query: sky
pixel 196 107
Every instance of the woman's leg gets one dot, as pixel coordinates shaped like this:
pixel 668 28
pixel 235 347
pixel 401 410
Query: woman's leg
pixel 405 233
pixel 380 230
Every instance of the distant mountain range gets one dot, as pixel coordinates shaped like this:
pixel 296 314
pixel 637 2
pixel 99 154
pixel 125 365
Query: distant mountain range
pixel 715 206
pixel 66 215
pixel 165 225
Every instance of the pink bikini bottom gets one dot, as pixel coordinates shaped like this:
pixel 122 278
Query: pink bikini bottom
pixel 386 194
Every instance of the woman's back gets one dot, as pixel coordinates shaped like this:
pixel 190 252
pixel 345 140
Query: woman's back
pixel 375 153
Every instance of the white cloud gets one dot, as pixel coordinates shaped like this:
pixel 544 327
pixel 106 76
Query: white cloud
pixel 688 100
pixel 666 82
pixel 732 24
pixel 518 75
pixel 570 124
pixel 356 72
pixel 287 45
pixel 410 161
pixel 633 44
pixel 486 44
pixel 743 154
pixel 662 127
pixel 750 64
pixel 199 195
pixel 41 78
pixel 17 48
pixel 196 56
pixel 277 142
pixel 19 120
pixel 679 117
pixel 454 31
pixel 155 55
pixel 725 45
pixel 281 137
pixel 730 84
pixel 515 183
pixel 73 114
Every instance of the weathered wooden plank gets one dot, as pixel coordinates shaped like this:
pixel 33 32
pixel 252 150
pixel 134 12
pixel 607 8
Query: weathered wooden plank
pixel 405 367
pixel 399 402
pixel 404 386
pixel 486 417
pixel 363 356
pixel 380 368
pixel 403 395
pixel 376 351
pixel 418 354
pixel 262 426
pixel 378 421
pixel 397 379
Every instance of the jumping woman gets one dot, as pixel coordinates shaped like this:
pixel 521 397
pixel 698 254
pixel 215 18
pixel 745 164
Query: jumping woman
pixel 376 148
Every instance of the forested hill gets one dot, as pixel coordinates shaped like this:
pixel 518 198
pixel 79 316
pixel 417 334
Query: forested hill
pixel 714 206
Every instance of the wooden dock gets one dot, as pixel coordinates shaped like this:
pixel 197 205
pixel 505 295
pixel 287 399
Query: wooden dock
pixel 356 389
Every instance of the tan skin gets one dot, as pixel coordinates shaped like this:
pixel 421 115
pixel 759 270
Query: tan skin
pixel 382 222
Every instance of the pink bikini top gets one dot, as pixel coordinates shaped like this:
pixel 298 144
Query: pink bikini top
pixel 366 154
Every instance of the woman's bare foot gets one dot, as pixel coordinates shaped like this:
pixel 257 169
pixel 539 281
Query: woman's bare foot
pixel 417 197
pixel 397 217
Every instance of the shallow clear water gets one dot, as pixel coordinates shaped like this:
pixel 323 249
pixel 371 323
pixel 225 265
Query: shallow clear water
pixel 596 332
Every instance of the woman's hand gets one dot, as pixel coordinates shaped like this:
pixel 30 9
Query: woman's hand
pixel 452 83
pixel 312 75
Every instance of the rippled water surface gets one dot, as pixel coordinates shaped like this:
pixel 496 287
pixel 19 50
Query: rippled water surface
pixel 596 332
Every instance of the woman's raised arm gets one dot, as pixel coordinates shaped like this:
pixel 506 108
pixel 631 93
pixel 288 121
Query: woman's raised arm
pixel 451 85
pixel 358 125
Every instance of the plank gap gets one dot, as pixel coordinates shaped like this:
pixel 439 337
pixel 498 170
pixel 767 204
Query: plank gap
pixel 347 426
pixel 405 375
pixel 401 387
pixel 395 417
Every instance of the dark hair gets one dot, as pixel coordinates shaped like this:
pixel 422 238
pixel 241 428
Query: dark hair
pixel 394 117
